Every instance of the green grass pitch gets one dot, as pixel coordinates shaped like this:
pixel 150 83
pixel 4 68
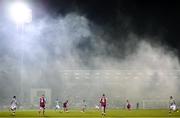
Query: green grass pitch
pixel 111 113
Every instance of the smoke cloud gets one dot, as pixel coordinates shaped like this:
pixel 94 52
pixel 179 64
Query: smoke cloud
pixel 77 59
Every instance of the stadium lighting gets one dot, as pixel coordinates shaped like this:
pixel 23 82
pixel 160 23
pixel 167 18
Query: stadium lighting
pixel 20 13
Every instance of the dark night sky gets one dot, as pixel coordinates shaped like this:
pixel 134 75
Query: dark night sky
pixel 147 18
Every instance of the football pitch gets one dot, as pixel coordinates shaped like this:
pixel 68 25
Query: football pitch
pixel 113 113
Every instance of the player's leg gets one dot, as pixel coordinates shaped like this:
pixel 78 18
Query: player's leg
pixel 56 108
pixel 40 108
pixel 60 110
pixel 104 110
pixel 43 109
pixel 129 107
pixel 14 111
pixel 84 109
pixel 10 109
pixel 39 111
pixel 175 109
pixel 65 109
pixel 170 109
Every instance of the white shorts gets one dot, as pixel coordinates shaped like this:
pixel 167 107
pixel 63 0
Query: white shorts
pixel 173 107
pixel 13 107
pixel 58 107
pixel 41 108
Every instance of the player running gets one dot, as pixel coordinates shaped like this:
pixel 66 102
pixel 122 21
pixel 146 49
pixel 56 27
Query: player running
pixel 42 104
pixel 13 105
pixel 128 105
pixel 65 105
pixel 172 105
pixel 103 102
pixel 57 105
pixel 84 105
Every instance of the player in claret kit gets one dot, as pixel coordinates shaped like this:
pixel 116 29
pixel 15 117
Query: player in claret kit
pixel 42 104
pixel 65 105
pixel 103 103
pixel 128 105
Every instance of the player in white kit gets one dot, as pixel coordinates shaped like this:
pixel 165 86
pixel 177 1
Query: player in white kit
pixel 84 105
pixel 13 105
pixel 57 107
pixel 172 105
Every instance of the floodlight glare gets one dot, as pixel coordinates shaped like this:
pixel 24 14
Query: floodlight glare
pixel 20 13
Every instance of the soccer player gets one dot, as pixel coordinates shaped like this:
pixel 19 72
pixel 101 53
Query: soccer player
pixel 128 105
pixel 172 105
pixel 103 102
pixel 42 104
pixel 137 105
pixel 84 105
pixel 57 104
pixel 13 105
pixel 65 104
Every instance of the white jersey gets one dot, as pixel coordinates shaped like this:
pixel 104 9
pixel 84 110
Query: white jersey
pixel 84 104
pixel 13 103
pixel 57 104
pixel 171 102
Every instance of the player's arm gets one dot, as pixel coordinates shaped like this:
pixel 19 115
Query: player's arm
pixel 100 100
